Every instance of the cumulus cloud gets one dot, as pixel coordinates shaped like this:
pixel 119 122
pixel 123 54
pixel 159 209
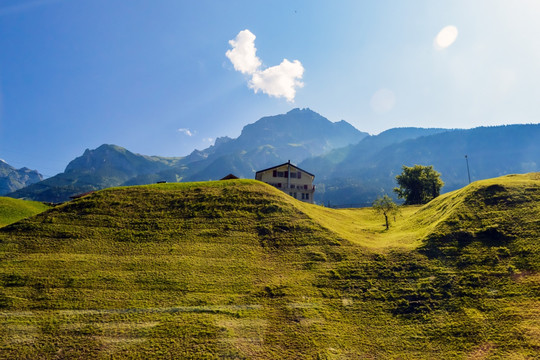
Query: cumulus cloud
pixel 186 132
pixel 243 53
pixel 279 81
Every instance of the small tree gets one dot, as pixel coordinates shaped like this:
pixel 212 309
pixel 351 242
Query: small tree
pixel 418 184
pixel 386 206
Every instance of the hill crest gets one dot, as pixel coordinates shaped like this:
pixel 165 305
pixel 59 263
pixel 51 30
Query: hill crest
pixel 239 269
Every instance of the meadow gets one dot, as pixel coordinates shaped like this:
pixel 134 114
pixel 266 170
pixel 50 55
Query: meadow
pixel 13 210
pixel 237 269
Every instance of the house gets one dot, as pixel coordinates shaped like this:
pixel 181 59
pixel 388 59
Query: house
pixel 290 179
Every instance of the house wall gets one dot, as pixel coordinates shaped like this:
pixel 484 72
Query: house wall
pixel 299 185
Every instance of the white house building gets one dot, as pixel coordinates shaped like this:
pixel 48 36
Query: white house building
pixel 290 179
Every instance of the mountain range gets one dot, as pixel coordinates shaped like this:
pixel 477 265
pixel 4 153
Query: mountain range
pixel 352 167
pixel 356 175
pixel 12 179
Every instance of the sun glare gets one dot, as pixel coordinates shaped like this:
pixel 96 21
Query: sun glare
pixel 446 37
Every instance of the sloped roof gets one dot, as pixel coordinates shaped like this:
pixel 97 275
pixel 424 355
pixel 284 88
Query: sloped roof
pixel 230 177
pixel 287 163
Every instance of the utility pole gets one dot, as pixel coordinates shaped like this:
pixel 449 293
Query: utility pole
pixel 468 172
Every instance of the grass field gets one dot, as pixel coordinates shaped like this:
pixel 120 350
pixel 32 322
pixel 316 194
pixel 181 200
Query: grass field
pixel 237 269
pixel 13 210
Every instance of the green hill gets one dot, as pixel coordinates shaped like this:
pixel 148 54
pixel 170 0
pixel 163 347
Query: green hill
pixel 13 210
pixel 238 269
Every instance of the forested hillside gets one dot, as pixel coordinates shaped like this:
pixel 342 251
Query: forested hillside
pixel 368 169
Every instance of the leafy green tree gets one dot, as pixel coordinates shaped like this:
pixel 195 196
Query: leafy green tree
pixel 418 184
pixel 386 206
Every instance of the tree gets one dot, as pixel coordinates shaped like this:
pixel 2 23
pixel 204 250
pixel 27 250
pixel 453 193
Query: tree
pixel 386 206
pixel 418 184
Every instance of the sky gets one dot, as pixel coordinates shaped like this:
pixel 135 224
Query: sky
pixel 165 77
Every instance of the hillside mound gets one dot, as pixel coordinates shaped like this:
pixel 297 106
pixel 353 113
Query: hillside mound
pixel 237 269
pixel 243 211
pixel 500 214
pixel 13 210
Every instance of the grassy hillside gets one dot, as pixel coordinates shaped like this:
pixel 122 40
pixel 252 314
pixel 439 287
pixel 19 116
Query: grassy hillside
pixel 237 269
pixel 12 210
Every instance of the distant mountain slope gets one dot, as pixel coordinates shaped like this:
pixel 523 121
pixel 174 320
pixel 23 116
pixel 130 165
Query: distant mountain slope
pixel 238 269
pixel 363 153
pixel 12 179
pixel 106 166
pixel 492 152
pixel 296 135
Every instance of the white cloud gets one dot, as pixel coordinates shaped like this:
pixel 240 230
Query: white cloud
pixel 278 81
pixel 186 132
pixel 445 37
pixel 243 53
pixel 208 140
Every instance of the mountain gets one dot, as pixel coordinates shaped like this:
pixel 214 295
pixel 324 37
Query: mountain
pixel 351 168
pixel 296 135
pixel 12 179
pixel 363 152
pixel 237 269
pixel 366 171
pixel 106 166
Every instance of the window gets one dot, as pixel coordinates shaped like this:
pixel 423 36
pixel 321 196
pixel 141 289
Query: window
pixel 295 195
pixel 286 174
pixel 293 175
pixel 305 187
pixel 274 173
pixel 278 185
pixel 307 196
pixel 303 196
pixel 280 173
pixel 292 186
pixel 299 175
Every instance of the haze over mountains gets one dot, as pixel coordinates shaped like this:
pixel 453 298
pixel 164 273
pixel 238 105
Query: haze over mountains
pixel 357 174
pixel 351 167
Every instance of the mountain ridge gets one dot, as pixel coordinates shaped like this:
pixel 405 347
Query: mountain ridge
pixel 12 179
pixel 492 151
pixel 296 135
pixel 352 168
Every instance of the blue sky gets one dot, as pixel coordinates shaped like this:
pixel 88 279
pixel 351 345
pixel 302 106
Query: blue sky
pixel 153 75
